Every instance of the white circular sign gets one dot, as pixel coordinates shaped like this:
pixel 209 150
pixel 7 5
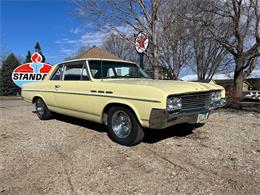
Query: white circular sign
pixel 141 42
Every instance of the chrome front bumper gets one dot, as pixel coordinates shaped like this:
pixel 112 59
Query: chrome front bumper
pixel 160 118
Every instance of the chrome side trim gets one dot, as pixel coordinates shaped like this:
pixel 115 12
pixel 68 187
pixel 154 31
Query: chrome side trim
pixel 95 91
pixel 75 110
pixel 97 95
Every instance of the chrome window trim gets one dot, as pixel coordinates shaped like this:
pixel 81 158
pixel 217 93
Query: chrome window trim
pixel 54 71
pixel 65 65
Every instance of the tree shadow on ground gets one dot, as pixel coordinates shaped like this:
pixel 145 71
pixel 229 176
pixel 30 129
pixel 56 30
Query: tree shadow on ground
pixel 151 135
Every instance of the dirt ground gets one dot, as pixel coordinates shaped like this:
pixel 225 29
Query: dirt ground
pixel 71 156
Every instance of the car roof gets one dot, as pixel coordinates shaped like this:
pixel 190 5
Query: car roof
pixel 100 59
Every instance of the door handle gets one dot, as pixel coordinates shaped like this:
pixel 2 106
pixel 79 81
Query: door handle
pixel 57 86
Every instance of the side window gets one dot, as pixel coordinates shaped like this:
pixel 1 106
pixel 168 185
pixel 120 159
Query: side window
pixel 122 71
pixel 73 72
pixel 118 71
pixel 94 72
pixel 85 75
pixel 95 69
pixel 58 74
pixel 110 72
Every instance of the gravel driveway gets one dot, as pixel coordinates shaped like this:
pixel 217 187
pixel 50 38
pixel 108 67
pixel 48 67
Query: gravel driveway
pixel 71 156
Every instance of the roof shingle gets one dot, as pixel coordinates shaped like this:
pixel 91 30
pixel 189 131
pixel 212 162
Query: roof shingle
pixel 96 52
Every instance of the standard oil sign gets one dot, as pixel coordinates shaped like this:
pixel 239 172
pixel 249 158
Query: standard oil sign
pixel 31 72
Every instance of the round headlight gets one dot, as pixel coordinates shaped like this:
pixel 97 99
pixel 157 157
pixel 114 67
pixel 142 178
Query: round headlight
pixel 173 104
pixel 213 95
pixel 215 98
pixel 218 96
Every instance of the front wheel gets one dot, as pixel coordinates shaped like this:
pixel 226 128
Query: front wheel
pixel 42 110
pixel 123 126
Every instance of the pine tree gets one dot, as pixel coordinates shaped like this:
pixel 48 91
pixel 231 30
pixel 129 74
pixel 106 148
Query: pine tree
pixel 28 57
pixel 7 86
pixel 39 50
pixel 38 47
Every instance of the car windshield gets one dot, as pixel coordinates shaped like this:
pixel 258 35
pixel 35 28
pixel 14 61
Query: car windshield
pixel 110 69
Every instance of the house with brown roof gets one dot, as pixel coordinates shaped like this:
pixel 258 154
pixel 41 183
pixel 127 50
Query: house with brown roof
pixel 96 52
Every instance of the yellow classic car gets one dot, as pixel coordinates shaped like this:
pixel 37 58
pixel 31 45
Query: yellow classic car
pixel 120 95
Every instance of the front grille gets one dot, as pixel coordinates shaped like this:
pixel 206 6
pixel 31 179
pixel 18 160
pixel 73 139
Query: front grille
pixel 195 101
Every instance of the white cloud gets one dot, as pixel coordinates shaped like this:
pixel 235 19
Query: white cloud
pixel 66 41
pixel 89 38
pixel 69 46
pixel 124 30
pixel 67 52
pixel 97 37
pixel 75 31
pixel 93 38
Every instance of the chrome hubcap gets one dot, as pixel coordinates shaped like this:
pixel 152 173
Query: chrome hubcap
pixel 40 108
pixel 121 124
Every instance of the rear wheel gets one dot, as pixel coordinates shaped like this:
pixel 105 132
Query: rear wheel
pixel 42 110
pixel 123 126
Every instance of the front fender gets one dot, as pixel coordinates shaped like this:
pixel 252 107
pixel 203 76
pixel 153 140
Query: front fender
pixel 142 110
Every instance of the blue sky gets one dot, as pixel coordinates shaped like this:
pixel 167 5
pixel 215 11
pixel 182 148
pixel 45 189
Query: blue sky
pixel 51 22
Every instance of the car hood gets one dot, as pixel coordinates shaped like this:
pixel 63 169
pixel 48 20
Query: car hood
pixel 169 86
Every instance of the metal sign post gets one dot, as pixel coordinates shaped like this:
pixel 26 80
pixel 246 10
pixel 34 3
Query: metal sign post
pixel 141 56
pixel 141 44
